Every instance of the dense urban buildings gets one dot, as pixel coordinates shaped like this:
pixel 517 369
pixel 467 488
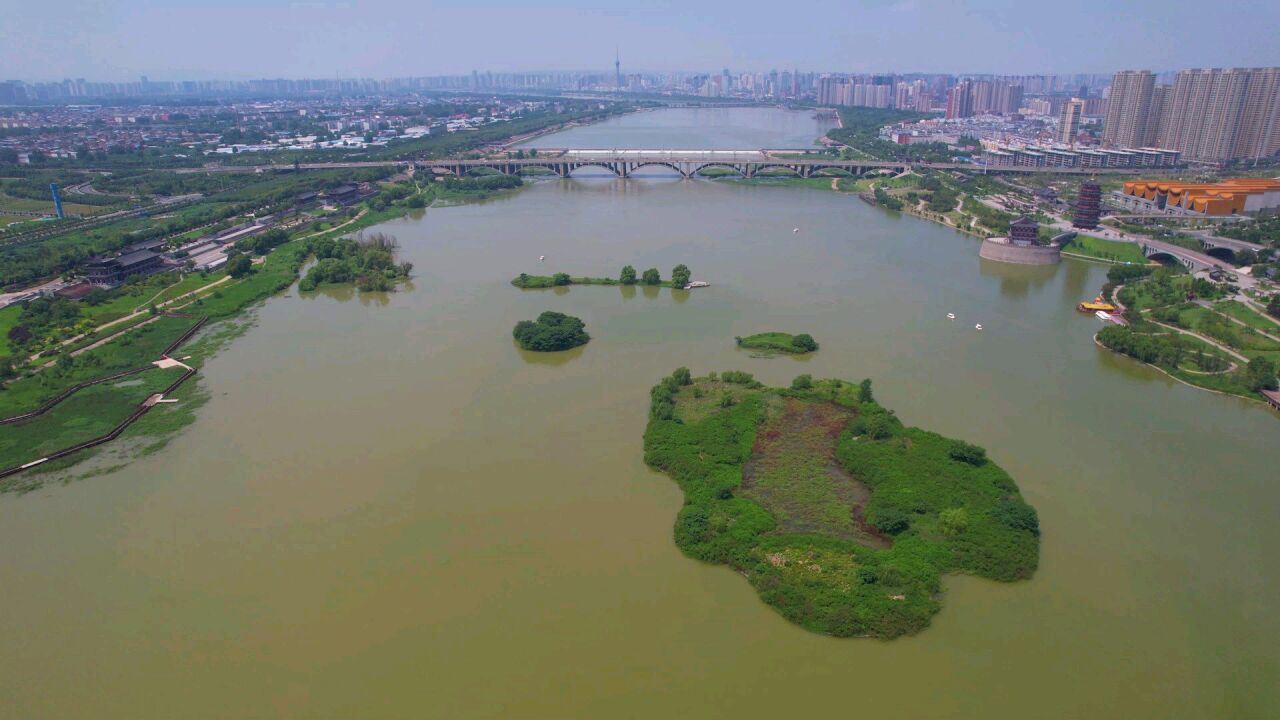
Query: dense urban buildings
pixel 1209 115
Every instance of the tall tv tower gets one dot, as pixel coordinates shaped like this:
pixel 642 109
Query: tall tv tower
pixel 617 68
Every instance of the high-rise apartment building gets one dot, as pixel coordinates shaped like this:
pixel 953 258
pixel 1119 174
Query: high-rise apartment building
pixel 1216 114
pixel 1069 124
pixel 1158 117
pixel 1129 109
pixel 1259 134
pixel 960 101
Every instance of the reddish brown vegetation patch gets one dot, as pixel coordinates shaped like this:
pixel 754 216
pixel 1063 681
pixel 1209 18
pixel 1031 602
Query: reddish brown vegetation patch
pixel 794 475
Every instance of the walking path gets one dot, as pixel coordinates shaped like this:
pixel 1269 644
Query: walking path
pixel 131 316
pixel 164 361
pixel 1209 306
pixel 1255 305
pixel 1198 336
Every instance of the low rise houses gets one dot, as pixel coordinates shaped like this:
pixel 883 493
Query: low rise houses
pixel 1062 156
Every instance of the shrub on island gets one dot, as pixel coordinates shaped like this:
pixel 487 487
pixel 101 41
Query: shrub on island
pixel 552 331
pixel 779 342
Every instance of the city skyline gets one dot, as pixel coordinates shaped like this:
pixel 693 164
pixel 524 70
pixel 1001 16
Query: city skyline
pixel 387 39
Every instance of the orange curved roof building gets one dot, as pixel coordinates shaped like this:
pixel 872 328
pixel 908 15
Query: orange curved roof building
pixel 1236 196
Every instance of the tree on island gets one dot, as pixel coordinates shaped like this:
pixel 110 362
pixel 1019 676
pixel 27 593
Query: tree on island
pixel 652 277
pixel 628 276
pixel 805 342
pixel 680 276
pixel 550 332
pixel 561 279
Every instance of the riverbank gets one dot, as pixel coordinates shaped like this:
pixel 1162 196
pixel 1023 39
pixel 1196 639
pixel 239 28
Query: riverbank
pixel 55 388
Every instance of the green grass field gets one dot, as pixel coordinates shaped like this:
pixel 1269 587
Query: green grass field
pixel 1109 250
pixel 86 415
pixel 137 348
pixel 1248 316
pixel 8 318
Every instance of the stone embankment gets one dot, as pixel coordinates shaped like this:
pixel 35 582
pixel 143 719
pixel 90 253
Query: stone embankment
pixel 1001 250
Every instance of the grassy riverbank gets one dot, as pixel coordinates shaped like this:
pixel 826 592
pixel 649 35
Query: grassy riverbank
pixel 86 415
pixel 1183 326
pixel 842 518
pixel 1115 251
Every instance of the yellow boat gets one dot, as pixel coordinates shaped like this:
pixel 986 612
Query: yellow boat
pixel 1097 304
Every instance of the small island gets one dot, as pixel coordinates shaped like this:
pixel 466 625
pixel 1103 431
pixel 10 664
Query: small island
pixel 552 331
pixel 779 342
pixel 368 261
pixel 681 278
pixel 841 517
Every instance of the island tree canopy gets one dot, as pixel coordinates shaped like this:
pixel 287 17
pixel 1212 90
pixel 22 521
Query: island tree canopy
pixel 550 332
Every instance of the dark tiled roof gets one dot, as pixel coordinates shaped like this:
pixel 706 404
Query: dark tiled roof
pixel 134 258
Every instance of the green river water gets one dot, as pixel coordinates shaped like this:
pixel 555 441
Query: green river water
pixel 387 510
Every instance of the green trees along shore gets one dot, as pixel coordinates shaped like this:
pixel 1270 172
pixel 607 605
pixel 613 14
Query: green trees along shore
pixel 841 517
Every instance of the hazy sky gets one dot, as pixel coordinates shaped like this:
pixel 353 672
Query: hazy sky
pixel 176 39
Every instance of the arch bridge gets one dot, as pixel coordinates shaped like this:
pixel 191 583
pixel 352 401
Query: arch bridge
pixel 685 164
pixel 688 163
pixel 1190 259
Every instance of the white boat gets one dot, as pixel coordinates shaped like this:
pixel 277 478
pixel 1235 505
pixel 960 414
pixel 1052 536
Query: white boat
pixel 978 326
pixel 697 284
pixel 1102 315
pixel 951 316
pixel 541 258
pixel 795 230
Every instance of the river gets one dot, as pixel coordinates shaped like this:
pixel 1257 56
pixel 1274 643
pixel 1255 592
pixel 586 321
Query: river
pixel 387 510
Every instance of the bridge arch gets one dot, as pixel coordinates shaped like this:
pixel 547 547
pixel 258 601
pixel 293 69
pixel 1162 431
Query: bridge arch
pixel 832 171
pixel 577 165
pixel 1221 252
pixel 1166 257
pixel 659 163
pixel 766 169
pixel 741 170
pixel 550 167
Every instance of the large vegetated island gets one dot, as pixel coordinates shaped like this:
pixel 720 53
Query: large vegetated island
pixel 841 517
pixel 552 331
